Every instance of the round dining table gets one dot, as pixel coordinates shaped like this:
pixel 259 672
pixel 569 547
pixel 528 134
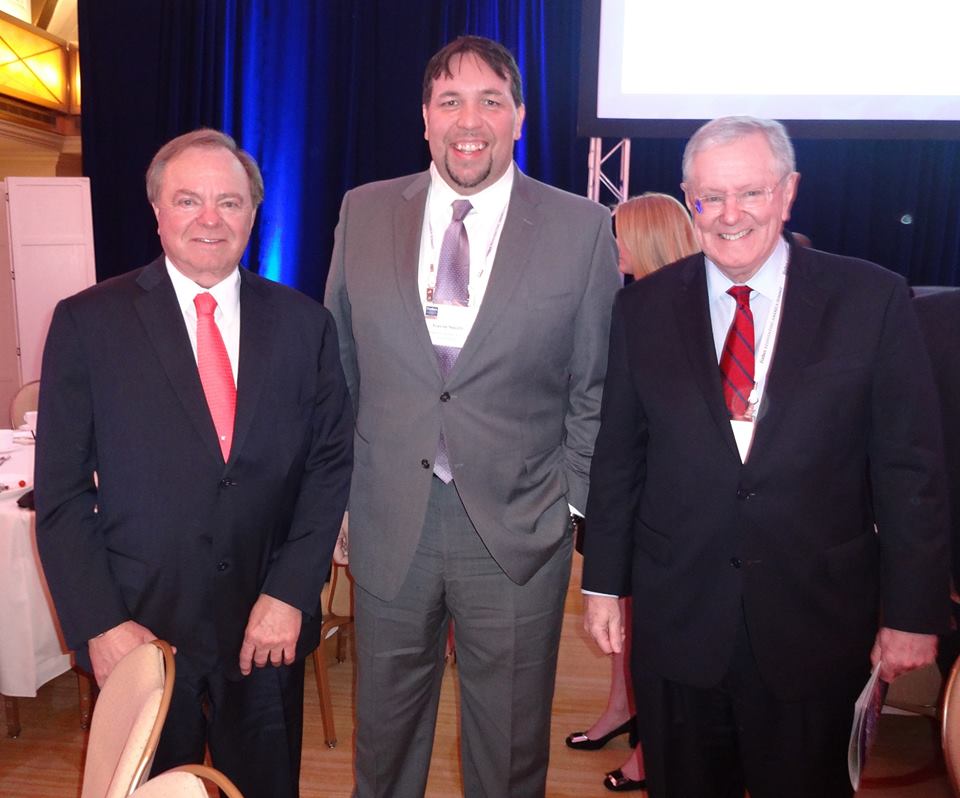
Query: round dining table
pixel 32 651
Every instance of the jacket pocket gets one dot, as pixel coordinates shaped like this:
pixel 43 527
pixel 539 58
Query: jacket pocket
pixel 655 545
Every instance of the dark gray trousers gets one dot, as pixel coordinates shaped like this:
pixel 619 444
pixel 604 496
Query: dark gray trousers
pixel 507 637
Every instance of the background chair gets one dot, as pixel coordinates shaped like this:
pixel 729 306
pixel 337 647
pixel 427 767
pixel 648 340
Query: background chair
pixel 127 721
pixel 187 781
pixel 337 604
pixel 23 400
pixel 950 727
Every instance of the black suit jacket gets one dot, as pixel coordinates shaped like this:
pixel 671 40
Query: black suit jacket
pixel 171 536
pixel 847 438
pixel 939 316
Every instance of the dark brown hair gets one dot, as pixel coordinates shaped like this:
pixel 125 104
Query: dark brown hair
pixel 493 54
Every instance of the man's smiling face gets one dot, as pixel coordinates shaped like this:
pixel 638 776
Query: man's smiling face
pixel 471 122
pixel 739 240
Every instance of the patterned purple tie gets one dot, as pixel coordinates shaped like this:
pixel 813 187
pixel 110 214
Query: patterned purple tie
pixel 452 288
pixel 453 266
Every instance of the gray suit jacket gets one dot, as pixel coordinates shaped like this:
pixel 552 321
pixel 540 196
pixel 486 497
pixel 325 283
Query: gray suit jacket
pixel 519 411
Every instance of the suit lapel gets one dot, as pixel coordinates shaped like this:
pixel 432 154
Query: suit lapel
pixel 513 251
pixel 803 307
pixel 257 341
pixel 162 319
pixel 407 232
pixel 692 311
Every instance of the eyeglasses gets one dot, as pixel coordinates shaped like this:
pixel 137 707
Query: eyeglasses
pixel 749 199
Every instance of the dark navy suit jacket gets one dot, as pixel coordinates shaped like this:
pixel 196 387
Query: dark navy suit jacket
pixel 171 536
pixel 847 439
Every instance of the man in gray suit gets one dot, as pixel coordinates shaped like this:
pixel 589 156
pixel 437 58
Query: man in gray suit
pixel 473 306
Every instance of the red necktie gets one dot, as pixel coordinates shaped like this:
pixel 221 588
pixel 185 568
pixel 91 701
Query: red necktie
pixel 736 361
pixel 216 376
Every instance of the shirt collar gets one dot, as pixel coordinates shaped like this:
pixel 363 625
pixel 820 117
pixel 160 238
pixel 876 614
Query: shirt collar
pixel 226 292
pixel 492 199
pixel 764 282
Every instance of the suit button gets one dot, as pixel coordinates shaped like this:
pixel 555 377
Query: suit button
pixel 222 566
pixel 425 463
pixel 736 562
pixel 227 483
pixel 445 397
pixel 746 495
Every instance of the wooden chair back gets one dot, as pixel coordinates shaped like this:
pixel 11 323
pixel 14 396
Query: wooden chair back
pixel 337 603
pixel 26 398
pixel 950 727
pixel 127 722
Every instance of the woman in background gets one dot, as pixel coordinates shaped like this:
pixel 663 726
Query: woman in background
pixel 652 231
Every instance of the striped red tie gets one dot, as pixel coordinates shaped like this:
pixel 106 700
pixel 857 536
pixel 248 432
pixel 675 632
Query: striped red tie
pixel 216 375
pixel 736 361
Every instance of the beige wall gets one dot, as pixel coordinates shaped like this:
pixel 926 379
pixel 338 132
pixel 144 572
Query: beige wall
pixel 27 152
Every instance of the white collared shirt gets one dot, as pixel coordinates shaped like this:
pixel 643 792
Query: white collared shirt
pixel 226 316
pixel 484 223
pixel 763 292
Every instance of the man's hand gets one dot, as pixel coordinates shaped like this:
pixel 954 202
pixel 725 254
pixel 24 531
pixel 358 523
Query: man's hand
pixel 901 652
pixel 602 621
pixel 108 649
pixel 341 552
pixel 271 634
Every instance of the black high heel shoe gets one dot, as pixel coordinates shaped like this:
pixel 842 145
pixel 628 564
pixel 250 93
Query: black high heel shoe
pixel 580 742
pixel 615 781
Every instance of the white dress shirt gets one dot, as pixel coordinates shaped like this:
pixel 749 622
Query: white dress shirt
pixel 226 316
pixel 763 292
pixel 484 223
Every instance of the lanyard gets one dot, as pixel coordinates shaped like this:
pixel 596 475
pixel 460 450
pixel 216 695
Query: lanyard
pixel 434 253
pixel 770 332
pixel 743 429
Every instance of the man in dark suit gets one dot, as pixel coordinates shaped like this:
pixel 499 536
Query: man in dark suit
pixel 767 484
pixel 473 308
pixel 193 461
pixel 939 314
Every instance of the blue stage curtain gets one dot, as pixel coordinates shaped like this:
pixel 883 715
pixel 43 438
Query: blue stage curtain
pixel 327 95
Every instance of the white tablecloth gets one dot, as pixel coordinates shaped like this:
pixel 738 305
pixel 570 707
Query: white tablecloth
pixel 31 652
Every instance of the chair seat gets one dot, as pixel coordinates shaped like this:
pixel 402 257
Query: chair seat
pixel 187 781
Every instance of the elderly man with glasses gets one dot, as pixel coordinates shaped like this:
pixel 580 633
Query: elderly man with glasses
pixel 767 485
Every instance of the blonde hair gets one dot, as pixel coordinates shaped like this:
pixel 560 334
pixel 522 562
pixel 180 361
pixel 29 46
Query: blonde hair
pixel 653 230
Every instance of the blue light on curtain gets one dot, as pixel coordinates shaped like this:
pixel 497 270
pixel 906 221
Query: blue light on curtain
pixel 265 110
pixel 512 24
pixel 520 52
pixel 326 95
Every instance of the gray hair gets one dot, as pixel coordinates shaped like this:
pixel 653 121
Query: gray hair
pixel 202 137
pixel 727 129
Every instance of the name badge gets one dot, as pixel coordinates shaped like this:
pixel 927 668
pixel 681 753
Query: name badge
pixel 743 435
pixel 449 325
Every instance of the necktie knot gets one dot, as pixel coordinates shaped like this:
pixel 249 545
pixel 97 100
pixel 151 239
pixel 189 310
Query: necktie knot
pixel 460 209
pixel 205 304
pixel 741 293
